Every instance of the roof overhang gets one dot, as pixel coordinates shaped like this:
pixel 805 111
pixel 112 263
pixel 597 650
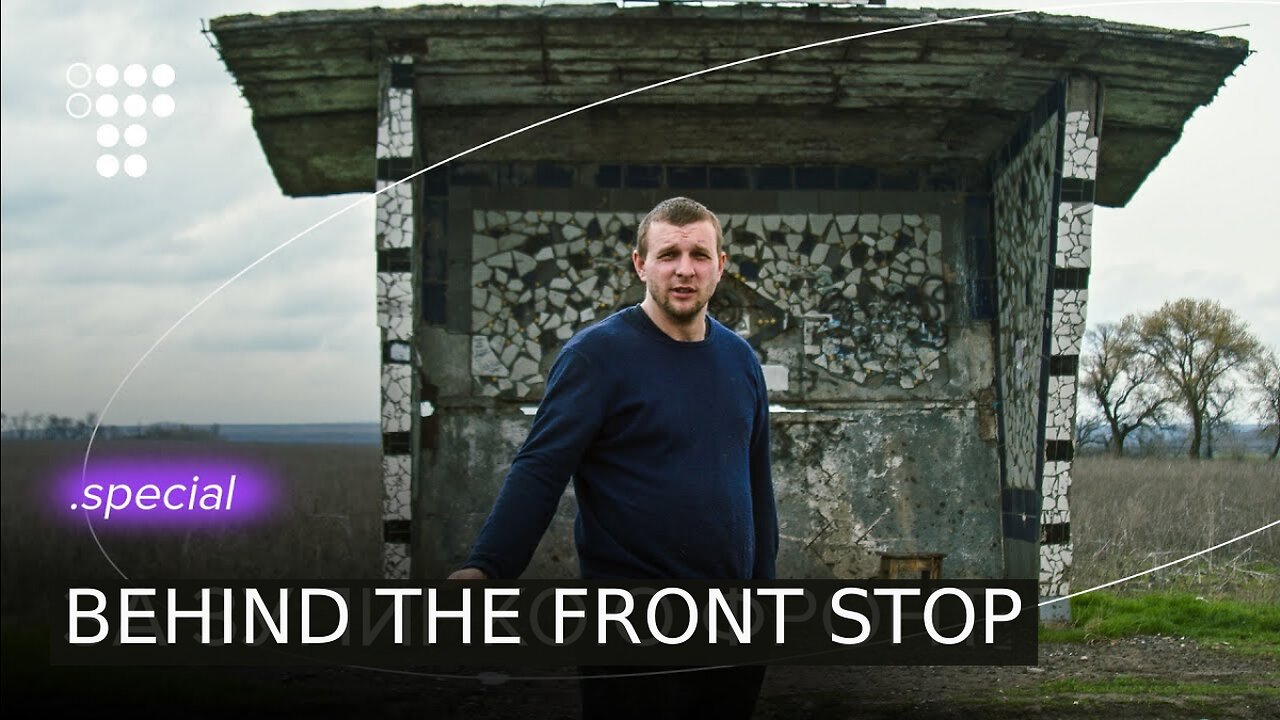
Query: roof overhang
pixel 955 88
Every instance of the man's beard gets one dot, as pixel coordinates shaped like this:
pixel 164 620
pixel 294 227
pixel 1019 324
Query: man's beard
pixel 682 315
pixel 677 313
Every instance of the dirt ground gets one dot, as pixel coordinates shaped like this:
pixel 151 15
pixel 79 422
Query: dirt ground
pixel 1144 678
pixel 1162 664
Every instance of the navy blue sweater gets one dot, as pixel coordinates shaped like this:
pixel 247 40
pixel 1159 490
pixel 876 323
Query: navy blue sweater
pixel 667 443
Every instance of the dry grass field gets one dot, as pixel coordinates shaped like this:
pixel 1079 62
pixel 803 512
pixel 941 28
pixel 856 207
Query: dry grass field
pixel 1132 514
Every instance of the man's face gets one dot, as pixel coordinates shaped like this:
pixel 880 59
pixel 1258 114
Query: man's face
pixel 681 268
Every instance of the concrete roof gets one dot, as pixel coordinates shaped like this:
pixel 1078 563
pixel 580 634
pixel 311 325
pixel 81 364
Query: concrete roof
pixel 951 92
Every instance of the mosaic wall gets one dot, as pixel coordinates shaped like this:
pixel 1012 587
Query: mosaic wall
pixel 1055 561
pixel 867 290
pixel 1080 147
pixel 1075 225
pixel 397 471
pixel 1070 300
pixel 1023 200
pixel 394 235
pixel 1067 322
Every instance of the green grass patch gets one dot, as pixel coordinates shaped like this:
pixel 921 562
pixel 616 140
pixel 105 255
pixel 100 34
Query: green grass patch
pixel 1093 698
pixel 1137 685
pixel 1247 581
pixel 1249 627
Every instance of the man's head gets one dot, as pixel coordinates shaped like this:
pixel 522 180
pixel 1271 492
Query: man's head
pixel 680 259
pixel 678 211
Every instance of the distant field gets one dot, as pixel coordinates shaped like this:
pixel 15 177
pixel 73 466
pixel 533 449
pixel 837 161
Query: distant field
pixel 325 433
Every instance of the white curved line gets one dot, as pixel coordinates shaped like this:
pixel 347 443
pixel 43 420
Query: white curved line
pixel 1268 526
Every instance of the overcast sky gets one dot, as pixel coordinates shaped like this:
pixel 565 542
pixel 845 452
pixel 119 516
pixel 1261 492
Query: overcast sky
pixel 95 269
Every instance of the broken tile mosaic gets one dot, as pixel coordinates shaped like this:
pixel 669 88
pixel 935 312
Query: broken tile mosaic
pixel 1060 419
pixel 396 473
pixel 394 215
pixel 1054 506
pixel 1068 321
pixel 1075 226
pixel 1023 196
pixel 397 397
pixel 1080 150
pixel 395 561
pixel 395 296
pixel 1054 562
pixel 395 123
pixel 399 327
pixel 867 290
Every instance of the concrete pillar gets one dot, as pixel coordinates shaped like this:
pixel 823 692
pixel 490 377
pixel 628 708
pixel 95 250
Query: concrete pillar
pixel 1082 126
pixel 394 237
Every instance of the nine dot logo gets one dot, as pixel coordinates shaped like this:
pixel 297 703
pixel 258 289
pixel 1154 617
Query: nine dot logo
pixel 94 91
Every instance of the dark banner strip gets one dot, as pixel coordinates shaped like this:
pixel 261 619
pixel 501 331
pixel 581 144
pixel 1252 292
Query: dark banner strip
pixel 396 443
pixel 543 623
pixel 1064 365
pixel 1055 533
pixel 402 75
pixel 1071 278
pixel 1077 190
pixel 397 531
pixel 395 260
pixel 1058 451
pixel 394 168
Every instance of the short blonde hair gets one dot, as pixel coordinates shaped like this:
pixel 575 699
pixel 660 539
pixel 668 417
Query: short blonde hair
pixel 678 211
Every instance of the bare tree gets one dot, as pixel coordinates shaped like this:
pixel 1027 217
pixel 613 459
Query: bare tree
pixel 1089 430
pixel 1195 345
pixel 84 428
pixel 23 425
pixel 1122 382
pixel 1264 377
pixel 1217 421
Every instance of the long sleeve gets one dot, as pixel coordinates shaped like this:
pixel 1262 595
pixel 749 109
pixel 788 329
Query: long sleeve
pixel 568 418
pixel 763 504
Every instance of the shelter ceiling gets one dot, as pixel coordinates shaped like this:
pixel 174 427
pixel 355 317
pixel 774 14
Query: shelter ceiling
pixel 945 94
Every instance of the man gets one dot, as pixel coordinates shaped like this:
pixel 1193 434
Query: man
pixel 660 415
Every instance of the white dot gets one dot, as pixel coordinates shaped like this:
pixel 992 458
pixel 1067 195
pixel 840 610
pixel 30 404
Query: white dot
pixel 107 75
pixel 162 105
pixel 135 135
pixel 162 75
pixel 107 105
pixel 79 105
pixel 135 166
pixel 78 75
pixel 108 165
pixel 135 106
pixel 108 135
pixel 135 75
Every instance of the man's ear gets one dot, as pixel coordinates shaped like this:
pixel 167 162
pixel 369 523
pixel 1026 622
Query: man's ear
pixel 637 261
pixel 724 258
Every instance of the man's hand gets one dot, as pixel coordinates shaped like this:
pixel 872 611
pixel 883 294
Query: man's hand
pixel 468 573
